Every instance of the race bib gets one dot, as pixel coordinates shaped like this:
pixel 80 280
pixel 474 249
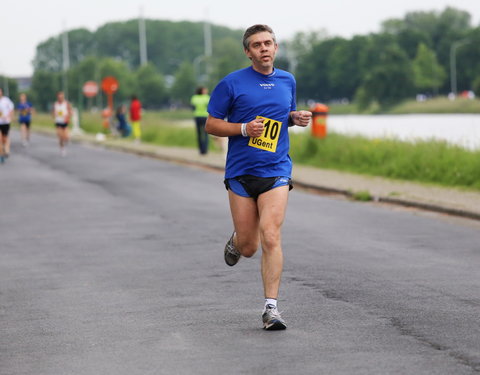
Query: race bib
pixel 269 139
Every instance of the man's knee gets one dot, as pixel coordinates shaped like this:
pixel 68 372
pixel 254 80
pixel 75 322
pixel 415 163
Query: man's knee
pixel 247 248
pixel 270 237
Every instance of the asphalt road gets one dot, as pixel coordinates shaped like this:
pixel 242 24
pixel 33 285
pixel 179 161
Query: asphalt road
pixel 112 263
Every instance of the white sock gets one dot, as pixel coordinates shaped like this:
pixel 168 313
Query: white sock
pixel 270 301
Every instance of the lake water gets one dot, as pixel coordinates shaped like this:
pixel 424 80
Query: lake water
pixel 459 129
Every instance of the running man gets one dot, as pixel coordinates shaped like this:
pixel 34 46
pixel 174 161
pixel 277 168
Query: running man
pixel 62 111
pixel 259 104
pixel 6 115
pixel 25 110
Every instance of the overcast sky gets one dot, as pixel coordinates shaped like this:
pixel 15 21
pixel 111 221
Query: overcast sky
pixel 29 22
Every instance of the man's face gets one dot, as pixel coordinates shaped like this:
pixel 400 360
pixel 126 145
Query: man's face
pixel 262 50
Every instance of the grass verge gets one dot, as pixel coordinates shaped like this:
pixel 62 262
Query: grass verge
pixel 423 161
pixel 434 105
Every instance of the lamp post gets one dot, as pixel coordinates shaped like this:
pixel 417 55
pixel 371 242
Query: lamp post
pixel 453 64
pixel 65 59
pixel 196 68
pixel 142 39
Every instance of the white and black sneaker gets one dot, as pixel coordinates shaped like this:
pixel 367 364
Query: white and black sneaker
pixel 231 254
pixel 272 320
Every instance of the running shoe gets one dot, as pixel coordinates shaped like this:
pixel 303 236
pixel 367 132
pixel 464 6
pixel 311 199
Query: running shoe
pixel 272 321
pixel 2 159
pixel 231 254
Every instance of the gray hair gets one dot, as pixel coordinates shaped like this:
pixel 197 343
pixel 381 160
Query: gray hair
pixel 255 29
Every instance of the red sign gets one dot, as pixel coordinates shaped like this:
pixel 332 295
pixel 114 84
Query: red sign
pixel 109 85
pixel 90 89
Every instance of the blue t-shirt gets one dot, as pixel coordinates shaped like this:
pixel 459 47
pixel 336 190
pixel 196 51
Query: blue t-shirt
pixel 25 112
pixel 242 96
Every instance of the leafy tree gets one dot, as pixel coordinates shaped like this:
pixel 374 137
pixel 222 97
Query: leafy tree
pixel 345 68
pixel 81 44
pixel 390 80
pixel 45 86
pixel 409 40
pixel 387 66
pixel 10 87
pixel 150 86
pixel 120 41
pixel 184 85
pixel 313 71
pixel 303 42
pixel 476 86
pixel 428 74
pixel 228 57
pixel 468 60
pixel 48 57
pixel 438 30
pixel 119 70
pixel 168 44
pixel 86 70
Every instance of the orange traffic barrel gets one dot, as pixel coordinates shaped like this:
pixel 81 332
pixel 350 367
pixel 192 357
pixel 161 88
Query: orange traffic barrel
pixel 319 120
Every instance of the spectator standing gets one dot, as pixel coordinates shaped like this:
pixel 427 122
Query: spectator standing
pixel 199 101
pixel 135 117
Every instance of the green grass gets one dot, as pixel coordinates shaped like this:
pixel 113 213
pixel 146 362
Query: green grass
pixel 438 105
pixel 362 196
pixel 435 105
pixel 423 161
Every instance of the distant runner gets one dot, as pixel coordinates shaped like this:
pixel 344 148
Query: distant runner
pixel 259 103
pixel 6 115
pixel 25 109
pixel 62 112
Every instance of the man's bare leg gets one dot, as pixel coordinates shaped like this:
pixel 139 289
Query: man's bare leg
pixel 2 149
pixel 6 145
pixel 60 136
pixel 246 223
pixel 272 207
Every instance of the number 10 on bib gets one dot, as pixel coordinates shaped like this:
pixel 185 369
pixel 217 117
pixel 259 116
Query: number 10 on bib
pixel 269 139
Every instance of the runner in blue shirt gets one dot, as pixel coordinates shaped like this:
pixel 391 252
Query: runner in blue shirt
pixel 25 110
pixel 254 108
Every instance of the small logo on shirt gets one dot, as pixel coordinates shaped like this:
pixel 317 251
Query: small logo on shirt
pixel 267 86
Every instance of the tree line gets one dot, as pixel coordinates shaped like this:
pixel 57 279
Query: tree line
pixel 408 56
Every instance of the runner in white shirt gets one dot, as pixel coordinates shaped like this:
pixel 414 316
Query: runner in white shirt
pixel 62 111
pixel 6 114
